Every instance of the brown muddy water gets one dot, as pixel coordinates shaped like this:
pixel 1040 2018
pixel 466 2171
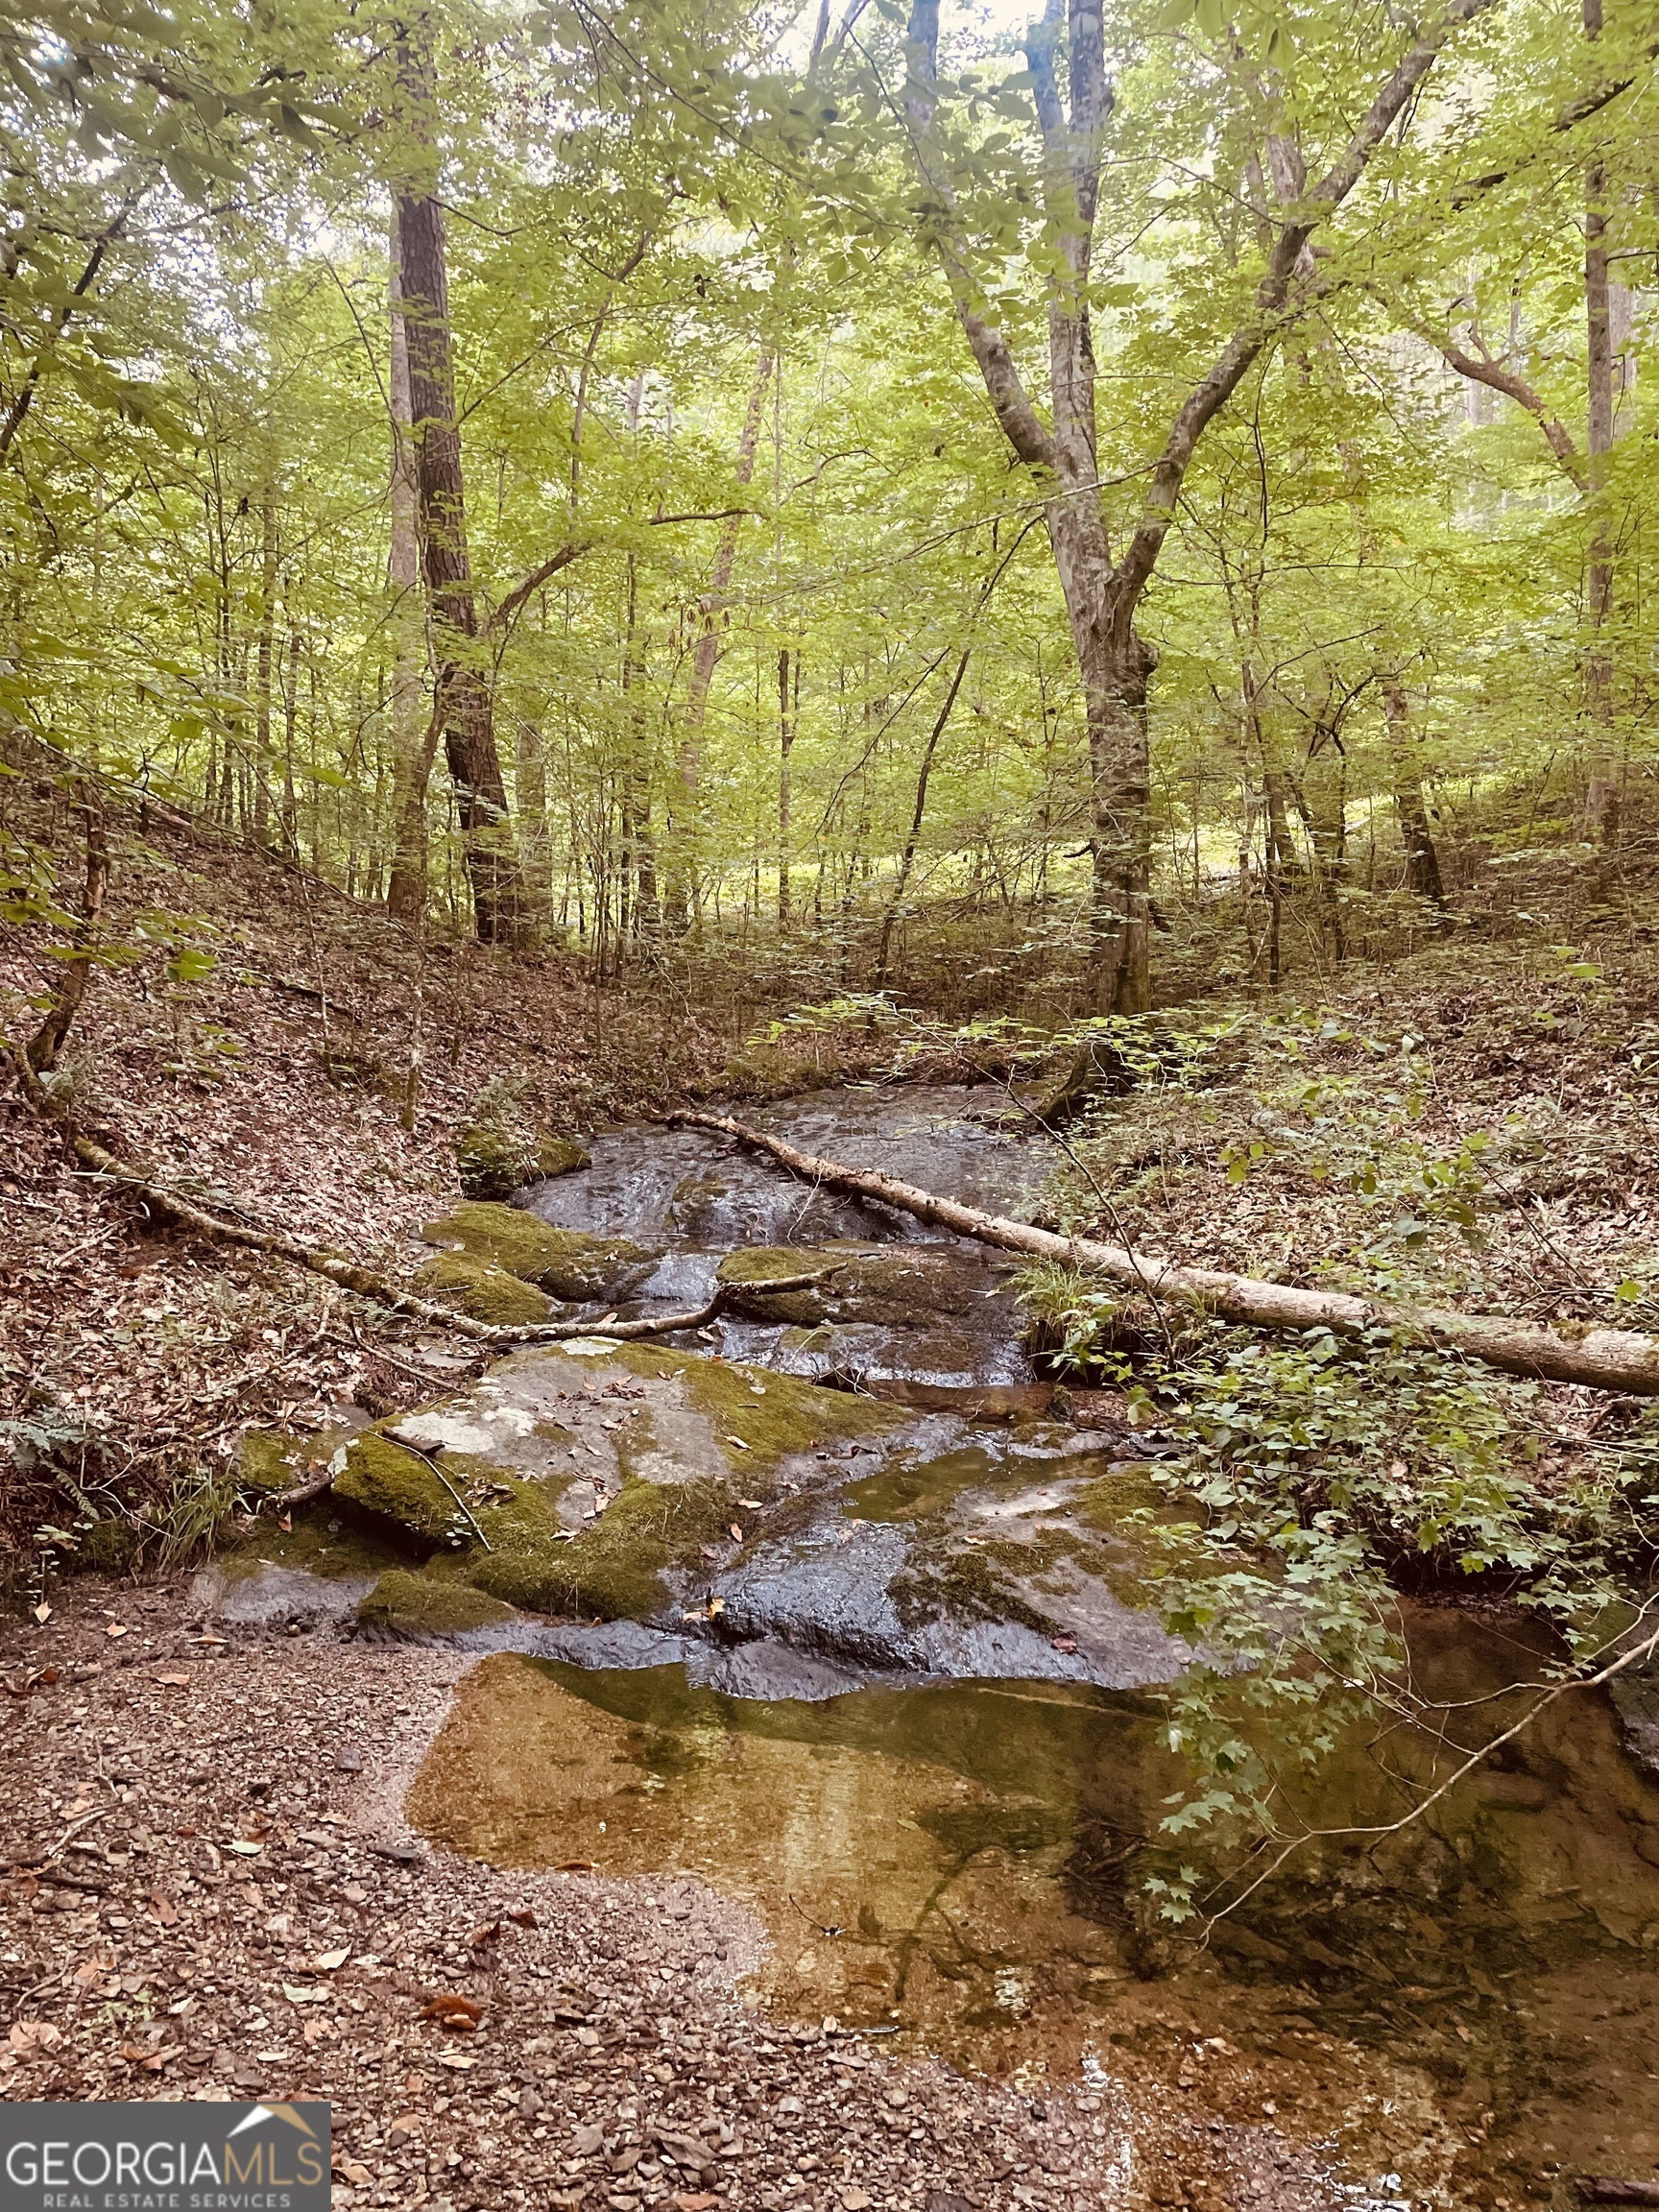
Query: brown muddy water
pixel 1466 2012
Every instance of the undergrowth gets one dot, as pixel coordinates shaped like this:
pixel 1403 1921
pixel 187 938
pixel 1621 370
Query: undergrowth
pixel 1410 1152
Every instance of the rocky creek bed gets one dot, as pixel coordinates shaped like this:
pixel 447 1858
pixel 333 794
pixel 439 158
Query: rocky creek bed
pixel 837 1618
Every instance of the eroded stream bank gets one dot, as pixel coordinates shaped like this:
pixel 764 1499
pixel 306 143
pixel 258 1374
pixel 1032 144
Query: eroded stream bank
pixel 885 1667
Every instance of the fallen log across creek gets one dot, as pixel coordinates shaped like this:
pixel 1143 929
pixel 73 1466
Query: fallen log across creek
pixel 1559 1352
pixel 336 1268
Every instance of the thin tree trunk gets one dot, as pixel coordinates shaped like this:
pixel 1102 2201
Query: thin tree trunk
pixel 647 909
pixel 1328 842
pixel 264 665
pixel 414 735
pixel 464 707
pixel 907 858
pixel 1601 765
pixel 681 896
pixel 788 714
pixel 531 775
pixel 1422 860
pixel 290 716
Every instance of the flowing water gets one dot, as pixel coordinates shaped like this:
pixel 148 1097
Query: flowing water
pixel 1462 2009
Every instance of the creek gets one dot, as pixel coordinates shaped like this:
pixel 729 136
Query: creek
pixel 880 1658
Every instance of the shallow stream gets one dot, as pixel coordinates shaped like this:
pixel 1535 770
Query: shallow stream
pixel 1464 2011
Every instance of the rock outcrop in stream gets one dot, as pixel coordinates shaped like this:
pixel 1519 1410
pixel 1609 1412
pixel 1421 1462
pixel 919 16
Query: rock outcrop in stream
pixel 850 1482
pixel 768 1531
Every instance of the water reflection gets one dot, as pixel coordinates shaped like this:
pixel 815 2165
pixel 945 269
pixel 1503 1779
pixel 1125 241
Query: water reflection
pixel 1472 2004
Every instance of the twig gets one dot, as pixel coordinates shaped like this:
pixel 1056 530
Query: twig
pixel 414 1450
pixel 1475 1758
pixel 300 1493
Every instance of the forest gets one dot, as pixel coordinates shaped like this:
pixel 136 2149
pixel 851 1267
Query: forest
pixel 938 711
pixel 1099 502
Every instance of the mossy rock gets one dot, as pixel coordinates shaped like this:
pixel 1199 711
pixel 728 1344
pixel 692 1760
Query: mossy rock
pixel 488 1293
pixel 492 1162
pixel 420 1607
pixel 759 1429
pixel 266 1461
pixel 394 1485
pixel 614 1568
pixel 898 1287
pixel 564 1262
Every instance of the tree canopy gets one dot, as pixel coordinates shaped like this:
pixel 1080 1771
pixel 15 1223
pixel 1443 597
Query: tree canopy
pixel 1074 507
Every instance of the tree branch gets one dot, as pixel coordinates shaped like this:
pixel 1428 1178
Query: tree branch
pixel 1022 425
pixel 1500 380
pixel 532 583
pixel 1208 397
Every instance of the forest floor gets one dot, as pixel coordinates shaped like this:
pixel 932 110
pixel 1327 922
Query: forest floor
pixel 197 1825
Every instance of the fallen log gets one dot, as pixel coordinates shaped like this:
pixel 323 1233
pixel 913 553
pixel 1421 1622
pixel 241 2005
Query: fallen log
pixel 1559 1352
pixel 335 1268
pixel 1606 2189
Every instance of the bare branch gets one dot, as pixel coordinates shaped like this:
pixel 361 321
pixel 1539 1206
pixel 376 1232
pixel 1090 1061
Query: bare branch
pixel 532 583
pixel 1496 378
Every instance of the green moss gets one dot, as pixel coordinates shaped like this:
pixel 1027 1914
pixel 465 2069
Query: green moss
pixel 422 1606
pixel 488 1293
pixel 516 1513
pixel 1107 1505
pixel 108 1544
pixel 390 1483
pixel 560 1156
pixel 494 1160
pixel 563 1261
pixel 745 1274
pixel 893 1287
pixel 267 1461
pixel 788 1416
pixel 615 1567
pixel 966 1586
pixel 319 1544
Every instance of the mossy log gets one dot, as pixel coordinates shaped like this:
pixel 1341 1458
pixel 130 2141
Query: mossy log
pixel 1560 1352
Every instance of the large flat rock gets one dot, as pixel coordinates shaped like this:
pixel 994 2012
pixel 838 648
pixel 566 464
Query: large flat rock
pixel 687 1502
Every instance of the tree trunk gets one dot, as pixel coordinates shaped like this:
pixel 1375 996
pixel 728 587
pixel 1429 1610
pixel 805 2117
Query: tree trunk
pixel 647 913
pixel 264 665
pixel 901 884
pixel 414 740
pixel 682 856
pixel 1115 675
pixel 788 716
pixel 1604 1359
pixel 463 706
pixel 290 719
pixel 1421 862
pixel 1328 842
pixel 1600 763
pixel 530 774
